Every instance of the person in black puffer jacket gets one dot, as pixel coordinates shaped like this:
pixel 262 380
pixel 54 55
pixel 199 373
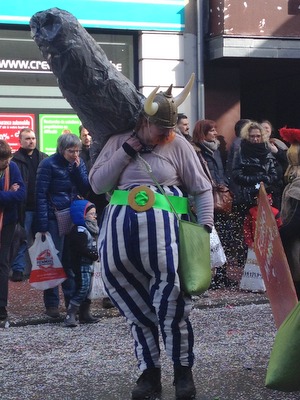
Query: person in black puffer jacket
pixel 61 178
pixel 252 163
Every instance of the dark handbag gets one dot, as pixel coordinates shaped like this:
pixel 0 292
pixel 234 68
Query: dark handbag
pixel 194 251
pixel 222 199
pixel 64 221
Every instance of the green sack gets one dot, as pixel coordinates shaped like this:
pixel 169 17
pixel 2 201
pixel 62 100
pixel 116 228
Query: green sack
pixel 283 371
pixel 194 258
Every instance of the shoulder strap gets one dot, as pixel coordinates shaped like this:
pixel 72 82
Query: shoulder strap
pixel 149 171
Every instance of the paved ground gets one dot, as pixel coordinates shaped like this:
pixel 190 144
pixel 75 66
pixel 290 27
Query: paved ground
pixel 25 304
pixel 41 360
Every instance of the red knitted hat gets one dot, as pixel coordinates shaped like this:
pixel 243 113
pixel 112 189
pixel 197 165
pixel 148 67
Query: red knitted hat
pixel 290 135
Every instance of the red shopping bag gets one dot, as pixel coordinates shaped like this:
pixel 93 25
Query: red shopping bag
pixel 47 270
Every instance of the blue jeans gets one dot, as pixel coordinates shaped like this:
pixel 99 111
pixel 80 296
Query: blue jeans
pixel 51 296
pixel 83 283
pixel 19 263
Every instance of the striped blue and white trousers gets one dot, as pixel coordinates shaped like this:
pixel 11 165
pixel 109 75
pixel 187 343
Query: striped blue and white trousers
pixel 139 260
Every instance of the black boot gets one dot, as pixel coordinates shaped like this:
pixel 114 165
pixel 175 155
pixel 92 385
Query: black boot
pixel 70 320
pixel 84 314
pixel 184 383
pixel 148 384
pixel 3 313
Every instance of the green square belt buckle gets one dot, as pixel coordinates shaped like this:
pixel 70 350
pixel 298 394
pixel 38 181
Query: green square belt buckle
pixel 141 198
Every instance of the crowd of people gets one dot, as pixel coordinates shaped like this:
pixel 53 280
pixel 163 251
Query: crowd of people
pixel 138 239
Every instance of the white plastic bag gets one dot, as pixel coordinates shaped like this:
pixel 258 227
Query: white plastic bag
pixel 217 255
pixel 252 279
pixel 47 271
pixel 97 290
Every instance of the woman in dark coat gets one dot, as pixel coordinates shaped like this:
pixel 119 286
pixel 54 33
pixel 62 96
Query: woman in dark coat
pixel 252 163
pixel 207 145
pixel 61 178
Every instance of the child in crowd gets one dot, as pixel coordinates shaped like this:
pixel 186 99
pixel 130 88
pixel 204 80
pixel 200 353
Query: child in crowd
pixel 83 249
pixel 250 222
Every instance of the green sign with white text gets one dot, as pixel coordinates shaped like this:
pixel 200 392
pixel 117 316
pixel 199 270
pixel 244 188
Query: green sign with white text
pixel 51 126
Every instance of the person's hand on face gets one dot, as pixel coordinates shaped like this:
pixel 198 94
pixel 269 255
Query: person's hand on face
pixel 77 161
pixel 72 155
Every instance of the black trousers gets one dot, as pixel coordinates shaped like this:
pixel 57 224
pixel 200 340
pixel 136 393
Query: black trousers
pixel 7 235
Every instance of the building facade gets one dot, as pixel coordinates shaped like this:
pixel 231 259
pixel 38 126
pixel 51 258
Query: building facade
pixel 245 55
pixel 144 40
pixel 252 62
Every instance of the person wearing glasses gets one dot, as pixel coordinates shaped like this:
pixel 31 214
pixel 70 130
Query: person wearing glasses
pixel 61 178
pixel 83 251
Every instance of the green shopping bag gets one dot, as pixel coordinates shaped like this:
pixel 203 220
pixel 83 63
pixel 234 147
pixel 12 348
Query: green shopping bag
pixel 194 258
pixel 283 371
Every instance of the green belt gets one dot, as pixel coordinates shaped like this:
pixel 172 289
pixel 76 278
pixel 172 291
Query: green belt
pixel 141 201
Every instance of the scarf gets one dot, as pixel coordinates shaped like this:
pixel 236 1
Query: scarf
pixel 255 150
pixel 212 145
pixel 92 227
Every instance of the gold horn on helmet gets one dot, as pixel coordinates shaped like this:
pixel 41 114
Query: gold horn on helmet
pixel 183 95
pixel 150 108
pixel 161 108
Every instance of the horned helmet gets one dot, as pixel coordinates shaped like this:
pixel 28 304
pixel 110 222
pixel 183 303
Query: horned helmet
pixel 161 108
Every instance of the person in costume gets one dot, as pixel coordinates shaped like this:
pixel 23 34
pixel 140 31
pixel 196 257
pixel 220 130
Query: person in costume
pixel 138 239
pixel 290 206
pixel 83 251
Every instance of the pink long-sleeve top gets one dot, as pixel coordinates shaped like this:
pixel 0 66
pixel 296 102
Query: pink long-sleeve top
pixel 174 163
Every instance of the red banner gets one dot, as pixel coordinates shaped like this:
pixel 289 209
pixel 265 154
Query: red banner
pixel 10 126
pixel 273 262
